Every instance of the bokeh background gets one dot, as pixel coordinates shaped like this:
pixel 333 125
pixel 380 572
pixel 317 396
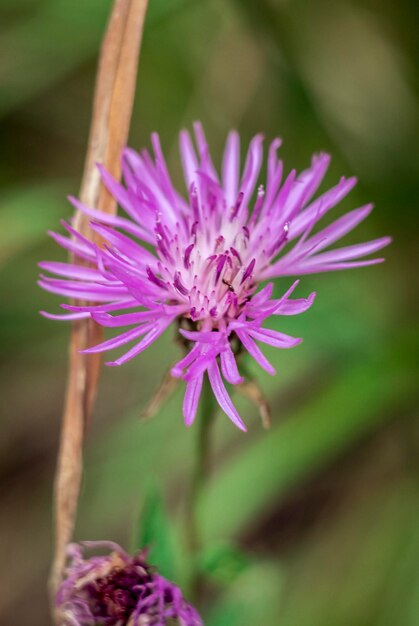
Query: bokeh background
pixel 315 523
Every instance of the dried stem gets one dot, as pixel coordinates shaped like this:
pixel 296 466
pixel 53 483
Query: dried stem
pixel 112 107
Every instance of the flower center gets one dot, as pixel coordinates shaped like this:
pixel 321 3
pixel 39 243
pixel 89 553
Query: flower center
pixel 209 270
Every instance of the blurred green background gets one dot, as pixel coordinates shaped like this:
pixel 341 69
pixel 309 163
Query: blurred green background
pixel 315 523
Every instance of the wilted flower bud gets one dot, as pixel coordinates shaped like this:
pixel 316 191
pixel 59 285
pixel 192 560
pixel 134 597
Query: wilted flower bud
pixel 118 590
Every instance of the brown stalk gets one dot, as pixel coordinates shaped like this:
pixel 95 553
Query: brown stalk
pixel 112 107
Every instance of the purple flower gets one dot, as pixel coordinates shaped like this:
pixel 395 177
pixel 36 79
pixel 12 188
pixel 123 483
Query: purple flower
pixel 200 260
pixel 118 590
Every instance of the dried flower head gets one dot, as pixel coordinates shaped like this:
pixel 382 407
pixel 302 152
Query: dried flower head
pixel 118 590
pixel 201 260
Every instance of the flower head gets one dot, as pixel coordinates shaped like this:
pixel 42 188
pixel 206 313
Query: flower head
pixel 118 590
pixel 200 259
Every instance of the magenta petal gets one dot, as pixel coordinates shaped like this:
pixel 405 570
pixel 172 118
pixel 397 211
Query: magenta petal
pixel 338 228
pixel 274 338
pixel 119 340
pixel 202 362
pixel 126 319
pixel 351 252
pixel 222 396
pixel 65 317
pixel 275 170
pixel 207 165
pixel 113 221
pixel 255 351
pixel 321 206
pixel 112 306
pixel 263 295
pixel 125 243
pixel 270 308
pixel 80 250
pixel 191 399
pixel 231 168
pixel 305 186
pixel 80 292
pixel 118 191
pixel 188 156
pixel 317 268
pixel 252 167
pixel 177 369
pixel 229 366
pixel 294 307
pixel 71 270
pixel 143 344
pixel 212 337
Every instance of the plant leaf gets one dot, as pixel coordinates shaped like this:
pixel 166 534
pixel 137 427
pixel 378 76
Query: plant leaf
pixel 154 532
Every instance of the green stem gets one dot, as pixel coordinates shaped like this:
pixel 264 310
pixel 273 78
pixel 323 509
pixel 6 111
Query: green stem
pixel 200 473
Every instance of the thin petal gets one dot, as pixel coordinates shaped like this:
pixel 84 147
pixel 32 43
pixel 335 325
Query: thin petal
pixel 191 399
pixel 263 295
pixel 71 270
pixel 255 351
pixel 143 344
pixel 112 306
pixel 305 186
pixel 314 268
pixel 188 157
pixel 207 165
pixel 110 321
pixel 352 252
pixel 274 338
pixel 320 206
pixel 231 168
pixel 75 247
pixel 124 243
pixel 113 220
pixel 251 168
pixel 274 177
pixel 339 228
pixel 177 369
pixel 201 336
pixel 65 316
pixel 119 340
pixel 98 293
pixel 294 307
pixel 202 362
pixel 222 396
pixel 229 366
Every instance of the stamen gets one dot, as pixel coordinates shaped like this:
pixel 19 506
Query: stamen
pixel 236 254
pixel 220 265
pixel 280 241
pixel 258 205
pixel 153 278
pixel 179 285
pixel 187 256
pixel 237 206
pixel 192 312
pixel 248 271
pixel 193 196
pixel 220 240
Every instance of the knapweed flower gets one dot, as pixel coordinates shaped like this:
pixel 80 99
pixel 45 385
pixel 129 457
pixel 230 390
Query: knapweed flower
pixel 200 259
pixel 118 590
